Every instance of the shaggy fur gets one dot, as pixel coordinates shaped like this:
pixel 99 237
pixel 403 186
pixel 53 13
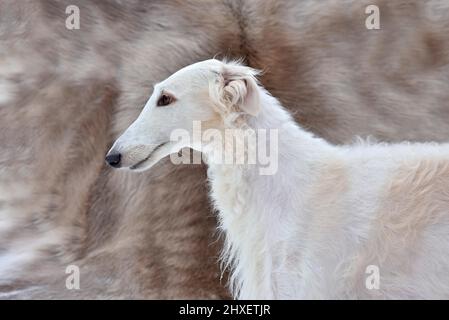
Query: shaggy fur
pixel 312 228
pixel 65 95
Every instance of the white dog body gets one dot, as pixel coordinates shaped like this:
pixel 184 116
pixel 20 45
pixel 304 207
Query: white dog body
pixel 326 217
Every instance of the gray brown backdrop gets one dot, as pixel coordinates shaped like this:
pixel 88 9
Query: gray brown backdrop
pixel 65 95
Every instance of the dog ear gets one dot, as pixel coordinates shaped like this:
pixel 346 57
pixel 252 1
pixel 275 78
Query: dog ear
pixel 240 88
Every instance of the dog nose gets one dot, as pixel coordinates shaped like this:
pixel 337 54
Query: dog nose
pixel 114 159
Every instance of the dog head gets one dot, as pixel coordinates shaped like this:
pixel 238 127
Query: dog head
pixel 211 92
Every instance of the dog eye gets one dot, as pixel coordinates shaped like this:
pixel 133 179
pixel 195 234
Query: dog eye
pixel 164 100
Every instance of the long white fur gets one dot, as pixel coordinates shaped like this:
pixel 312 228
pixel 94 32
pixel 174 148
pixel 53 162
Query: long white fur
pixel 311 230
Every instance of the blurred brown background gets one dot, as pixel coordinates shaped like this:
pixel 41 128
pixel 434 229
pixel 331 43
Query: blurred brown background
pixel 65 95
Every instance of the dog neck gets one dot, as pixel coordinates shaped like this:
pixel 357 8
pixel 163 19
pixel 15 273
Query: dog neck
pixel 253 206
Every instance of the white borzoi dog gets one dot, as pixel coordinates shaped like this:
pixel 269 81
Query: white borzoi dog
pixel 358 221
